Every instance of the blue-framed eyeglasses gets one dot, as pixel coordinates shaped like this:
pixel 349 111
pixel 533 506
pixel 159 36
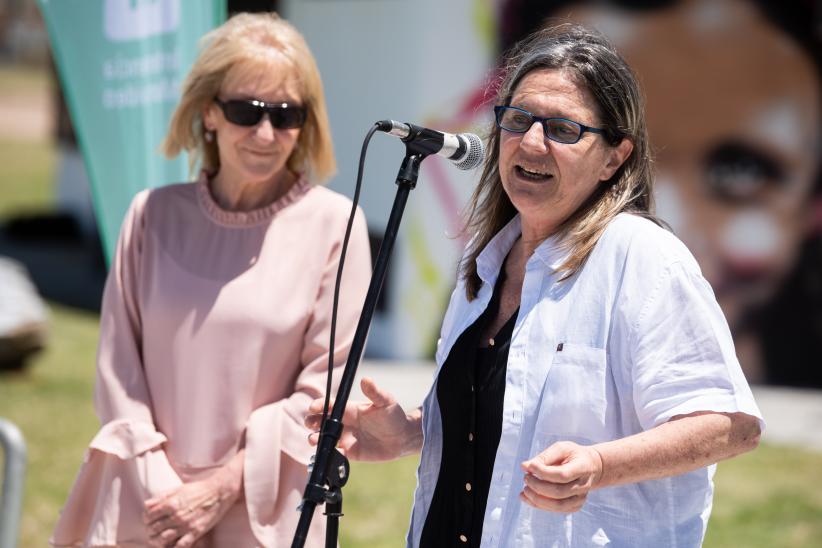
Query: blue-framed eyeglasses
pixel 561 130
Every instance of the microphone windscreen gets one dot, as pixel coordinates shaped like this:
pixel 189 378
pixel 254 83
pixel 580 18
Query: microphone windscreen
pixel 475 154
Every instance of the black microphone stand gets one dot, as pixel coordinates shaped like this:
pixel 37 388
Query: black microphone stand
pixel 330 467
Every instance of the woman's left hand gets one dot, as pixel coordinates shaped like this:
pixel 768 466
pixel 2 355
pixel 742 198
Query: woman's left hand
pixel 559 478
pixel 180 517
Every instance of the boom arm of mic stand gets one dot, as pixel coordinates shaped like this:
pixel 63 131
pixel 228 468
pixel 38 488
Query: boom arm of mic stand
pixel 315 489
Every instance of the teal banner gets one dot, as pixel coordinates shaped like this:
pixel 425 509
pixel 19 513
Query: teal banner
pixel 121 64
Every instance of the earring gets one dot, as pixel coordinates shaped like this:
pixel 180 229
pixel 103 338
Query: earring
pixel 209 136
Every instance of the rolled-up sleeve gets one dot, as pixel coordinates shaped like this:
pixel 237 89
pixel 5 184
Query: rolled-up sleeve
pixel 682 353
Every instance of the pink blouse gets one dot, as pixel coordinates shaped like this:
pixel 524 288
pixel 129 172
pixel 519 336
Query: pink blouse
pixel 214 335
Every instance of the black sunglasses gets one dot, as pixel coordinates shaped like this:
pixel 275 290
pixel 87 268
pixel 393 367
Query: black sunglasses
pixel 249 112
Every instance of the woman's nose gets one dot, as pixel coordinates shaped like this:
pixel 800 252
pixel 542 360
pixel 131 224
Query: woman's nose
pixel 534 138
pixel 264 129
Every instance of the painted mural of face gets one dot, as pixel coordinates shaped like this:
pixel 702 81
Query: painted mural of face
pixel 733 113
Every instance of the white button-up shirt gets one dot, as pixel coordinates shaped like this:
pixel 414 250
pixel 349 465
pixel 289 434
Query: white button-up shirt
pixel 633 339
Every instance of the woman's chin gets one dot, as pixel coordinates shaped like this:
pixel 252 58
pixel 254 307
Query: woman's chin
pixel 529 196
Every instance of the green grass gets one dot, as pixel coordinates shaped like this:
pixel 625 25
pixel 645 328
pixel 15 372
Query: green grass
pixel 21 79
pixel 50 402
pixel 770 497
pixel 26 177
pixel 766 499
pixel 377 504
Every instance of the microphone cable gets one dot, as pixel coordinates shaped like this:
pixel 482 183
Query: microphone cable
pixel 354 201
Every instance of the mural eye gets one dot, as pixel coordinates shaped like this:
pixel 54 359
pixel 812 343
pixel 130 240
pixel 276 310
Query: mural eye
pixel 739 172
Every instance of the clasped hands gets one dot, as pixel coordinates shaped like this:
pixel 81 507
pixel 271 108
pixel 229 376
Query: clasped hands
pixel 181 517
pixel 557 480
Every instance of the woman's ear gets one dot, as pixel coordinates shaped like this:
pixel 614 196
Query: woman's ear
pixel 208 114
pixel 617 156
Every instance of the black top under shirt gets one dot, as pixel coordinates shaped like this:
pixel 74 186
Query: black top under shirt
pixel 470 392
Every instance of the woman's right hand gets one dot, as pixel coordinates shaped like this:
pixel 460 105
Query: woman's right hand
pixel 375 430
pixel 180 517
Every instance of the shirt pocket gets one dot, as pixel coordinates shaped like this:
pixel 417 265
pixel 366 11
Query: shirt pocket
pixel 573 402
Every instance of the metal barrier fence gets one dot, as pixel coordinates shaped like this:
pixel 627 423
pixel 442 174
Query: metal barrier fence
pixel 14 473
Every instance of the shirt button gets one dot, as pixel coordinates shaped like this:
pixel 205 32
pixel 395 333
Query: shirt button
pixel 470 436
pixel 467 486
pixel 463 538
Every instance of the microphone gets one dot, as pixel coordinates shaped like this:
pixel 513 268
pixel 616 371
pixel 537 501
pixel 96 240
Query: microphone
pixel 465 150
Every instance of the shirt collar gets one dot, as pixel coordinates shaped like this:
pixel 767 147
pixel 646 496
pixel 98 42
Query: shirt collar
pixel 551 252
pixel 491 257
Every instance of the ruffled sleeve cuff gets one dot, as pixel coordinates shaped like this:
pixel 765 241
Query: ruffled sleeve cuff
pixel 127 439
pixel 272 433
pixel 124 466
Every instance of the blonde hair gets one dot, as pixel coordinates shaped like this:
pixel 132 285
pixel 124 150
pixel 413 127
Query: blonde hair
pixel 594 62
pixel 248 40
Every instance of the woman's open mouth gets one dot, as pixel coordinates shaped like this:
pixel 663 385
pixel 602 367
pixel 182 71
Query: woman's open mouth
pixel 536 176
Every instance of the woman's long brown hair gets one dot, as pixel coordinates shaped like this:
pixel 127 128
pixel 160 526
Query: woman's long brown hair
pixel 590 58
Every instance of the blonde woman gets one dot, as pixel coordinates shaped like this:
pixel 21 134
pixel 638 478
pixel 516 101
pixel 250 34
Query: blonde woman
pixel 216 314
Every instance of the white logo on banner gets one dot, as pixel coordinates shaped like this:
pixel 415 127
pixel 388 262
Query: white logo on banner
pixel 135 19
